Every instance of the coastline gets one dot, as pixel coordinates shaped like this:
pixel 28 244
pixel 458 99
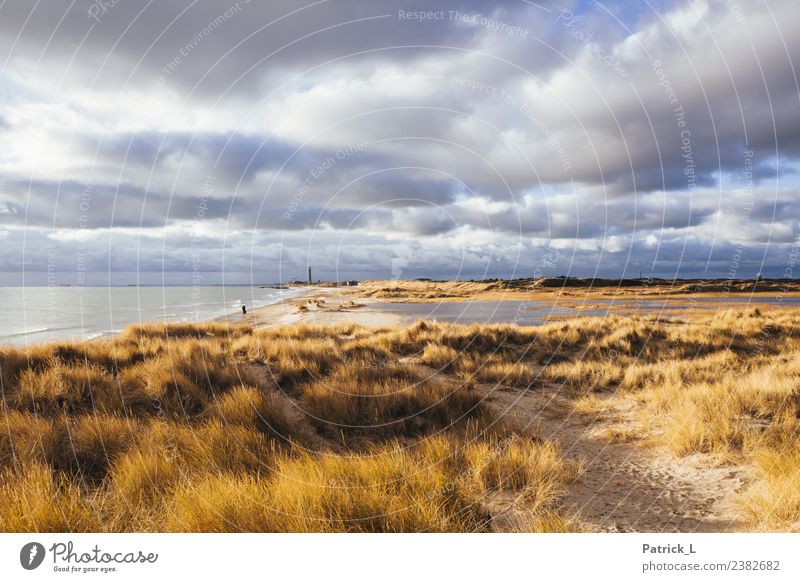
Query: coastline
pixel 387 304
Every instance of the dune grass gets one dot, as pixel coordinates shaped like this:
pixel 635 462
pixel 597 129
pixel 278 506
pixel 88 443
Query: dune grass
pixel 542 286
pixel 304 428
pixel 344 428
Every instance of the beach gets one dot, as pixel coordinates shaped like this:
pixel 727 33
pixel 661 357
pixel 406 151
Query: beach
pixel 321 306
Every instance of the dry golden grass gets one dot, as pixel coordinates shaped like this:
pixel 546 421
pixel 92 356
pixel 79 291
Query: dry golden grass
pixel 304 428
pixel 475 353
pixel 439 356
pixel 515 464
pixel 343 428
pixel 34 498
pixel 27 439
pixel 500 289
pixel 494 370
pixel 585 376
pixel 388 406
pixel 774 501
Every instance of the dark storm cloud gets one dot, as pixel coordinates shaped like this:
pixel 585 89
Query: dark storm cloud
pixel 211 47
pixel 78 205
pixel 584 217
pixel 236 157
pixel 85 205
pixel 361 173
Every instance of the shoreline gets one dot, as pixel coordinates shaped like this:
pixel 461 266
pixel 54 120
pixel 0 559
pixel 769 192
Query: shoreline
pixel 74 329
pixel 384 306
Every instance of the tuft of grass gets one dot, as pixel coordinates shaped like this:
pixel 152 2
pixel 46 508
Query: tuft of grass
pixel 209 446
pixel 585 376
pixel 390 406
pixel 184 331
pixel 62 388
pixel 27 439
pixel 261 410
pixel 219 502
pixel 139 479
pixel 439 356
pixel 92 442
pixel 533 470
pixel 773 502
pixel 500 371
pixel 168 390
pixel 34 499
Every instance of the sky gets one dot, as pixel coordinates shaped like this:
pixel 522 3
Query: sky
pixel 200 142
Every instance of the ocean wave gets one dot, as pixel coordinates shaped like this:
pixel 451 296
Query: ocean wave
pixel 27 332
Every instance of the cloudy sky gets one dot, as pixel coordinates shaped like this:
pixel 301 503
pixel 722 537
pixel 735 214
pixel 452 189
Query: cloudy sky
pixel 173 140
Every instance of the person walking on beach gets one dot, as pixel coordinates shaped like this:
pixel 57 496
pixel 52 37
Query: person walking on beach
pixel 244 310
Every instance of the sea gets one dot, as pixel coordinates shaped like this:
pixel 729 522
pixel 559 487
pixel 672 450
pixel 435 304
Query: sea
pixel 30 315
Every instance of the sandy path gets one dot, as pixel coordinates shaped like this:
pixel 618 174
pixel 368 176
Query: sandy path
pixel 624 486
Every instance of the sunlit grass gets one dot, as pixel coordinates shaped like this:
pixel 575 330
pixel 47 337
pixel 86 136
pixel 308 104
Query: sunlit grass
pixel 305 428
